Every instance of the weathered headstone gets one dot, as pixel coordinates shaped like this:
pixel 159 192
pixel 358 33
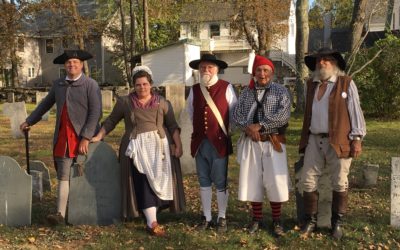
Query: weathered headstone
pixel 39 97
pixel 107 99
pixel 395 193
pixel 175 93
pixel 95 197
pixel 41 167
pixel 370 174
pixel 37 185
pixel 16 112
pixel 122 91
pixel 15 193
pixel 187 161
pixel 10 97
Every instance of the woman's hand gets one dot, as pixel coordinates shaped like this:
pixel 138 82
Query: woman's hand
pixel 100 135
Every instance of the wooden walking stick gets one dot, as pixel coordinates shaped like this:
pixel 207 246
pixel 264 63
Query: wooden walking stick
pixel 26 133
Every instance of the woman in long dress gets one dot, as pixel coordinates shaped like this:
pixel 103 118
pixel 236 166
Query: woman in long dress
pixel 144 154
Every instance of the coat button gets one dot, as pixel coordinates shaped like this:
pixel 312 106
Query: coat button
pixel 220 138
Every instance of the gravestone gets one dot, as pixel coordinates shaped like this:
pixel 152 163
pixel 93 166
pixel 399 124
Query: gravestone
pixel 187 161
pixel 95 197
pixel 107 99
pixel 15 193
pixel 37 185
pixel 122 91
pixel 39 97
pixel 16 112
pixel 175 93
pixel 370 174
pixel 10 97
pixel 41 167
pixel 395 193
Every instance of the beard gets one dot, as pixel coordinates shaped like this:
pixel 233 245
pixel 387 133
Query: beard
pixel 324 73
pixel 208 80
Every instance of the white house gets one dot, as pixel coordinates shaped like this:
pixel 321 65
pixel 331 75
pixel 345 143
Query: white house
pixel 213 33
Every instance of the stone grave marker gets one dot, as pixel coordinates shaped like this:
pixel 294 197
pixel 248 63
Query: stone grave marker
pixel 37 185
pixel 175 93
pixel 370 174
pixel 10 97
pixel 39 97
pixel 41 167
pixel 16 112
pixel 107 99
pixel 187 161
pixel 95 197
pixel 15 193
pixel 395 193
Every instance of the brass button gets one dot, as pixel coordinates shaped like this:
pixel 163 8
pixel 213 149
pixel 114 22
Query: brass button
pixel 220 138
pixel 206 127
pixel 205 122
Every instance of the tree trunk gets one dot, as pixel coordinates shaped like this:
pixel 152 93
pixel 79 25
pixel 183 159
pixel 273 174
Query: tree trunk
pixel 78 34
pixel 389 15
pixel 124 48
pixel 146 38
pixel 132 40
pixel 14 67
pixel 357 23
pixel 302 32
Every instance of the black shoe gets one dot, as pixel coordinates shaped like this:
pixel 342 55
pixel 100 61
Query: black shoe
pixel 204 225
pixel 55 219
pixel 308 229
pixel 277 229
pixel 254 226
pixel 221 225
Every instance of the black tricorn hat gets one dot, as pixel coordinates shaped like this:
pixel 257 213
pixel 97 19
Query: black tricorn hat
pixel 208 58
pixel 311 60
pixel 68 54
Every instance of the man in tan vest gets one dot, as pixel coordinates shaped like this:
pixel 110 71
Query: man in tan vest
pixel 333 129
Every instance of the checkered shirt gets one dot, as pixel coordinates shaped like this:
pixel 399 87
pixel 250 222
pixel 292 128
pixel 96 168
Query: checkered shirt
pixel 276 107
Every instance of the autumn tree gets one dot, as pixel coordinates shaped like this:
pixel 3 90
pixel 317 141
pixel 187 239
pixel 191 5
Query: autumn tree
pixel 262 22
pixel 302 32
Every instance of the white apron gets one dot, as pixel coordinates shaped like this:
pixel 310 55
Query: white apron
pixel 151 156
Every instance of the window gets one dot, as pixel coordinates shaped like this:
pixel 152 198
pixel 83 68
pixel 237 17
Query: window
pixel 64 43
pixel 214 30
pixel 31 72
pixel 394 21
pixel 194 30
pixel 49 46
pixel 21 44
pixel 62 73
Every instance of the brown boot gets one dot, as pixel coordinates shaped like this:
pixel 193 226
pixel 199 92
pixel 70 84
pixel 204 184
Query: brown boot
pixel 55 219
pixel 310 210
pixel 339 207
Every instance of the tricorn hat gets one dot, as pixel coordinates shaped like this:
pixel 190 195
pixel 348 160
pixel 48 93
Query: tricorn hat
pixel 208 58
pixel 311 60
pixel 68 54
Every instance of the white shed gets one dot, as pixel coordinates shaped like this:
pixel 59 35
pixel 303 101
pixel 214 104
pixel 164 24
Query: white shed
pixel 170 64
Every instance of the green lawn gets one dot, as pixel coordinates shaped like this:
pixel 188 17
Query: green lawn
pixel 367 224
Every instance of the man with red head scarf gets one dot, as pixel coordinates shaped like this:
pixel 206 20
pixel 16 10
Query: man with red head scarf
pixel 262 113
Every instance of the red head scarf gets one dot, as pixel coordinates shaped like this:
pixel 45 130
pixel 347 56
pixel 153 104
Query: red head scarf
pixel 258 61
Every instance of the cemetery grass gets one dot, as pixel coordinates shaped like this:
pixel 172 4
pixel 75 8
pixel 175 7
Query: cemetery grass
pixel 367 223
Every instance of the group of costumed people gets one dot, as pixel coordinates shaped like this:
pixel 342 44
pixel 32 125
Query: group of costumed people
pixel 151 146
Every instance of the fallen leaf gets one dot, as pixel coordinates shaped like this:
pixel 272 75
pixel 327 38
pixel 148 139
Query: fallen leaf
pixel 31 239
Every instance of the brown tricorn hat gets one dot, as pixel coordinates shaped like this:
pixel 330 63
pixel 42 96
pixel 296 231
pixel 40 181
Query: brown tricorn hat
pixel 311 60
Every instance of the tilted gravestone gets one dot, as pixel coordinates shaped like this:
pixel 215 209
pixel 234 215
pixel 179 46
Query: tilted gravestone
pixel 16 112
pixel 15 193
pixel 95 196
pixel 175 93
pixel 41 167
pixel 39 97
pixel 187 161
pixel 107 99
pixel 395 193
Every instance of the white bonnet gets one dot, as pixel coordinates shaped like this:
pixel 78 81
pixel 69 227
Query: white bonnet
pixel 142 68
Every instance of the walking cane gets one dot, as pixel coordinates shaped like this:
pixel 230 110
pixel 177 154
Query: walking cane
pixel 26 133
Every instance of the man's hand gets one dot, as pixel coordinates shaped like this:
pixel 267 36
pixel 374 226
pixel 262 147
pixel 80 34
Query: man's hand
pixel 24 126
pixel 252 131
pixel 176 151
pixel 84 146
pixel 355 148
